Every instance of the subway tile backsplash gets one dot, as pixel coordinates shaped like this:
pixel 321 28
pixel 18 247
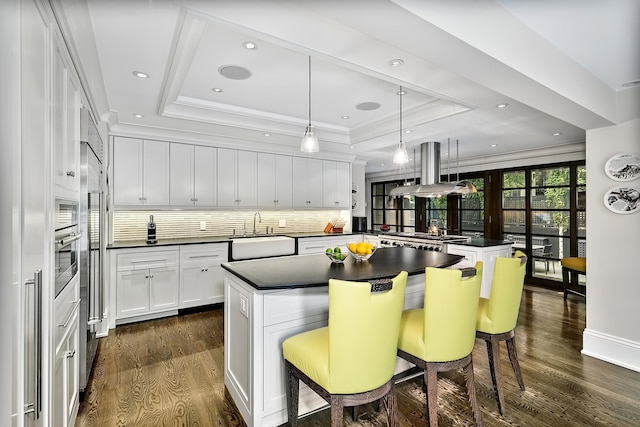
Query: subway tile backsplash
pixel 132 225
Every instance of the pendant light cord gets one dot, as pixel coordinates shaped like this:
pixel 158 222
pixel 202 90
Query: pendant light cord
pixel 400 93
pixel 309 90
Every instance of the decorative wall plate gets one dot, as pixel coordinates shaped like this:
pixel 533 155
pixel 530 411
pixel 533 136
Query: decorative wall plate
pixel 622 200
pixel 623 167
pixel 355 189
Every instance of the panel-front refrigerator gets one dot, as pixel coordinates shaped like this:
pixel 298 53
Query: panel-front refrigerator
pixel 91 256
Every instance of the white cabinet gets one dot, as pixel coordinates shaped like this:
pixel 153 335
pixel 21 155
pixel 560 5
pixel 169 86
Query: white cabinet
pixel 275 184
pixel 65 115
pixel 140 172
pixel 66 368
pixel 237 178
pixel 201 274
pixel 307 182
pixel 487 255
pixel 147 282
pixel 192 175
pixel 316 245
pixel 336 184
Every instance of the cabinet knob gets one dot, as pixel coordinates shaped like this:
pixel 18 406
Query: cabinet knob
pixel 72 174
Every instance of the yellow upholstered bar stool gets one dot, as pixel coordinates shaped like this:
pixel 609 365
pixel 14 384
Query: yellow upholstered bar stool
pixel 351 361
pixel 572 266
pixel 440 336
pixel 497 317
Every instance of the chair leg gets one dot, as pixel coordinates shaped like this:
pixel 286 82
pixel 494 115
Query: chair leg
pixel 389 401
pixel 431 382
pixel 471 391
pixel 565 281
pixel 337 411
pixel 493 350
pixel 292 391
pixel 513 357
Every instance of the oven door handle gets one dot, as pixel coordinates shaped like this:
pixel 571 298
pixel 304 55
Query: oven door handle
pixel 67 240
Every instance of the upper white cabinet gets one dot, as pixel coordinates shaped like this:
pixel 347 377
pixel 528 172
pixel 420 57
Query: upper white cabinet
pixel 336 184
pixel 275 183
pixel 307 182
pixel 237 178
pixel 192 176
pixel 140 172
pixel 66 127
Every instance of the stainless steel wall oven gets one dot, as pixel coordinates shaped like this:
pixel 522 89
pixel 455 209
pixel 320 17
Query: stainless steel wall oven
pixel 66 243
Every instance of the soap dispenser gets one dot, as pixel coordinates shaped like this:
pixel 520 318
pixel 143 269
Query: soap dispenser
pixel 151 231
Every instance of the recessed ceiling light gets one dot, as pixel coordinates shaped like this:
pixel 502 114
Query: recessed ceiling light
pixel 249 45
pixel 557 133
pixel 352 146
pixel 267 134
pixel 139 116
pixel 395 63
pixel 141 74
pixel 493 145
pixel 381 164
pixel 216 89
pixel 401 92
pixel 408 131
pixel 344 117
pixel 631 83
pixel 503 105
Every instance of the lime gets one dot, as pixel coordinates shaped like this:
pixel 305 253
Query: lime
pixel 329 250
pixel 336 250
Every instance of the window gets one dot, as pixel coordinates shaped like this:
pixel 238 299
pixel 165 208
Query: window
pixel 471 210
pixel 397 212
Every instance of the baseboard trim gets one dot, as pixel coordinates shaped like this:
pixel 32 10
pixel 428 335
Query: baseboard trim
pixel 612 349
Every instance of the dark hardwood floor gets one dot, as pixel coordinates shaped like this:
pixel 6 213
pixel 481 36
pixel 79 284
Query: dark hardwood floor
pixel 169 372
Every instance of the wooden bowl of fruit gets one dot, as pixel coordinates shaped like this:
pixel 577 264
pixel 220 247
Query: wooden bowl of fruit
pixel 361 251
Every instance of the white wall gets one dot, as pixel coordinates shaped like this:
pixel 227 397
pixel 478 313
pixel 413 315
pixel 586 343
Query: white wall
pixel 613 253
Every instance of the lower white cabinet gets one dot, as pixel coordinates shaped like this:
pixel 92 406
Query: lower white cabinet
pixel 316 245
pixel 147 282
pixel 66 368
pixel 201 274
pixel 488 257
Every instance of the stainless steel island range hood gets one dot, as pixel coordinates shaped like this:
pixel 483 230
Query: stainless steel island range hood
pixel 430 185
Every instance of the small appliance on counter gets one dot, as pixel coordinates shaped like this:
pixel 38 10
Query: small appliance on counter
pixel 359 223
pixel 151 231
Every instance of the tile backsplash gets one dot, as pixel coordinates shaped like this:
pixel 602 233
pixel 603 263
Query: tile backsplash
pixel 132 225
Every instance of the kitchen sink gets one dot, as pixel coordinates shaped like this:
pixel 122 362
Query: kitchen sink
pixel 261 247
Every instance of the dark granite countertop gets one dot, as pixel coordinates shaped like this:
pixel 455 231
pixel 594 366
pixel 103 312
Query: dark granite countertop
pixel 299 271
pixel 480 242
pixel 215 239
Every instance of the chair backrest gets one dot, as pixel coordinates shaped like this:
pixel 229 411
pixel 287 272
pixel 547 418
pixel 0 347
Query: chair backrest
pixel 450 307
pixel 363 332
pixel 506 292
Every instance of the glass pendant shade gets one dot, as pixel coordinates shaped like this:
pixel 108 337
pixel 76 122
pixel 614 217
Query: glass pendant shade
pixel 400 156
pixel 309 142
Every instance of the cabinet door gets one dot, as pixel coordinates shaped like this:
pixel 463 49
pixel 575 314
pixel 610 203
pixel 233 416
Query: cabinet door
pixel 227 177
pixel 58 121
pixel 204 178
pixel 247 178
pixel 307 182
pixel 181 172
pixel 267 180
pixel 58 389
pixel 155 173
pixel 163 288
pixel 72 374
pixel 336 184
pixel 284 181
pixel 127 171
pixel 72 138
pixel 132 293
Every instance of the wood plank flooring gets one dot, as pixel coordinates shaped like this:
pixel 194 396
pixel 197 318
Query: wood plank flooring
pixel 169 372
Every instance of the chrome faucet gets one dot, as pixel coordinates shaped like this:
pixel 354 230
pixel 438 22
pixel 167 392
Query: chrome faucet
pixel 254 221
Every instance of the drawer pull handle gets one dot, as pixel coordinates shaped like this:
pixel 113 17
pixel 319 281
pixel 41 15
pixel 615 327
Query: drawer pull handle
pixel 204 256
pixel 68 319
pixel 148 260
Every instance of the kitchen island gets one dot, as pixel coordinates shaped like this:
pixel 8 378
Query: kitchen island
pixel 268 300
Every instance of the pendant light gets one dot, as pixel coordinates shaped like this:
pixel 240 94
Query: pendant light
pixel 400 156
pixel 309 142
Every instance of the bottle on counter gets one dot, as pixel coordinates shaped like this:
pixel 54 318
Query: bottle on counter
pixel 151 231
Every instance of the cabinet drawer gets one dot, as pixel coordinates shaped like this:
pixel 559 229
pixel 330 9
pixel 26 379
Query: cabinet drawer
pixel 213 253
pixel 66 306
pixel 151 259
pixel 313 246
